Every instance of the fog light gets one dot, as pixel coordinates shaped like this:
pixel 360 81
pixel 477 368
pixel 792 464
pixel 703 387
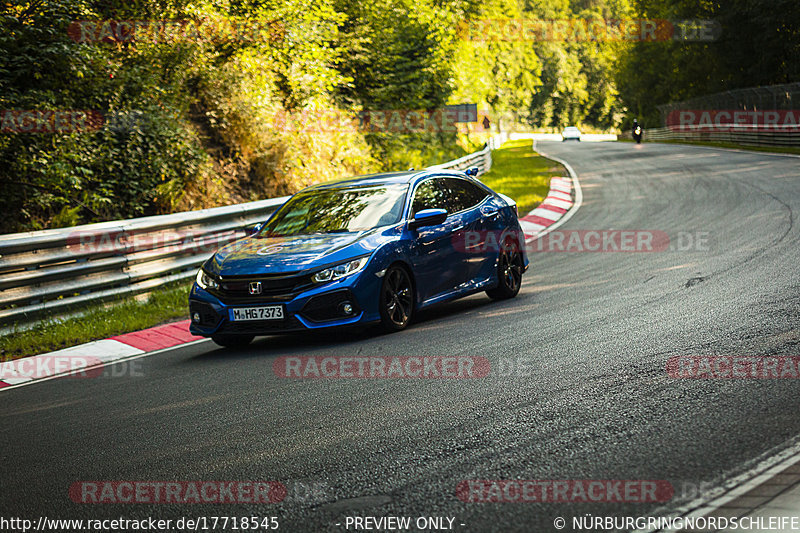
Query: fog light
pixel 196 317
pixel 347 308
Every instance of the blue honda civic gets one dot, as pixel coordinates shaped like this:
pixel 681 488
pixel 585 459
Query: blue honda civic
pixel 368 249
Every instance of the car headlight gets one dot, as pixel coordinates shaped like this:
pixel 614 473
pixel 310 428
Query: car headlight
pixel 205 281
pixel 340 271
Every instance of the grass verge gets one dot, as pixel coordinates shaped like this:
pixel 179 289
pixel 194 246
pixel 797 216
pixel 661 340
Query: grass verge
pixel 733 146
pixel 99 322
pixel 519 172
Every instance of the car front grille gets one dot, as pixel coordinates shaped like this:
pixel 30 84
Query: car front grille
pixel 236 289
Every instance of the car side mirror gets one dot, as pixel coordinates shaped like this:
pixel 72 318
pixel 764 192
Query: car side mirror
pixel 428 217
pixel 472 172
pixel 252 230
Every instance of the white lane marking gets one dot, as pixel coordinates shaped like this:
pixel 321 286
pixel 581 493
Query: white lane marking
pixel 578 195
pixel 773 464
pixel 104 364
pixel 741 151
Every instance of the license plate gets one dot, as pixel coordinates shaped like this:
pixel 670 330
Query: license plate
pixel 270 312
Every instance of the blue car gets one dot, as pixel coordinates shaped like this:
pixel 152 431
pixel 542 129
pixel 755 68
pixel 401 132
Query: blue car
pixel 368 249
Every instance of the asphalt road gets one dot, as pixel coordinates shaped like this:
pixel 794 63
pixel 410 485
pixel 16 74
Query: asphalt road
pixel 588 339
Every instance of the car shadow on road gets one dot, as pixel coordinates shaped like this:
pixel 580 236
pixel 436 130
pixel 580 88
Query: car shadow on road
pixel 347 338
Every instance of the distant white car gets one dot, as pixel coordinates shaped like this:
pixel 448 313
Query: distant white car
pixel 571 133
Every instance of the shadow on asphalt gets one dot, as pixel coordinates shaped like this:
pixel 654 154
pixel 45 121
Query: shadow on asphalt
pixel 275 345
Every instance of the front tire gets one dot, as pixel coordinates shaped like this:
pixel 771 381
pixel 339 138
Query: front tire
pixel 396 300
pixel 509 273
pixel 232 341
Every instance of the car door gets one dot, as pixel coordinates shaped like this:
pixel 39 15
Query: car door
pixel 478 219
pixel 437 267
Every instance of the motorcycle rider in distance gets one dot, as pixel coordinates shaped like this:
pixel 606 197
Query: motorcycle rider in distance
pixel 637 131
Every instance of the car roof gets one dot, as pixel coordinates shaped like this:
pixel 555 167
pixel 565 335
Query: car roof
pixel 385 178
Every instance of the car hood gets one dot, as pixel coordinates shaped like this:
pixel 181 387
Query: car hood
pixel 275 255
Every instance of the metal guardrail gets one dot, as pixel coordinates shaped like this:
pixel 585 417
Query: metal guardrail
pixel 46 272
pixel 746 135
pixel 753 102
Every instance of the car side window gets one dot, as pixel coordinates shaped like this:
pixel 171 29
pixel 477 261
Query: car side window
pixel 430 194
pixel 464 194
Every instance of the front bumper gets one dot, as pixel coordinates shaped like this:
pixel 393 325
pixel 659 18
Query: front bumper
pixel 316 308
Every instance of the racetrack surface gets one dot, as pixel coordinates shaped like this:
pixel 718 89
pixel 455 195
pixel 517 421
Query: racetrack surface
pixel 593 331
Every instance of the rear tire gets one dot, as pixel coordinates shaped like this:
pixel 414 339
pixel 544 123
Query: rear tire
pixel 233 341
pixel 509 273
pixel 396 299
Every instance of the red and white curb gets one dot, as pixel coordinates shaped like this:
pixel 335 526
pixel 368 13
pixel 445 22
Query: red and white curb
pixel 563 200
pixel 550 211
pixel 92 355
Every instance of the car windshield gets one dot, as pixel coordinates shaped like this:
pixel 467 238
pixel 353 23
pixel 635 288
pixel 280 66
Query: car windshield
pixel 338 210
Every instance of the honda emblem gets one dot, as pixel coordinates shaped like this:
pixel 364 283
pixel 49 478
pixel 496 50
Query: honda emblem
pixel 255 287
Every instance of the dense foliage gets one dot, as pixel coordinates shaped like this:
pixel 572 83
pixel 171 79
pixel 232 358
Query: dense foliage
pixel 758 44
pixel 209 102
